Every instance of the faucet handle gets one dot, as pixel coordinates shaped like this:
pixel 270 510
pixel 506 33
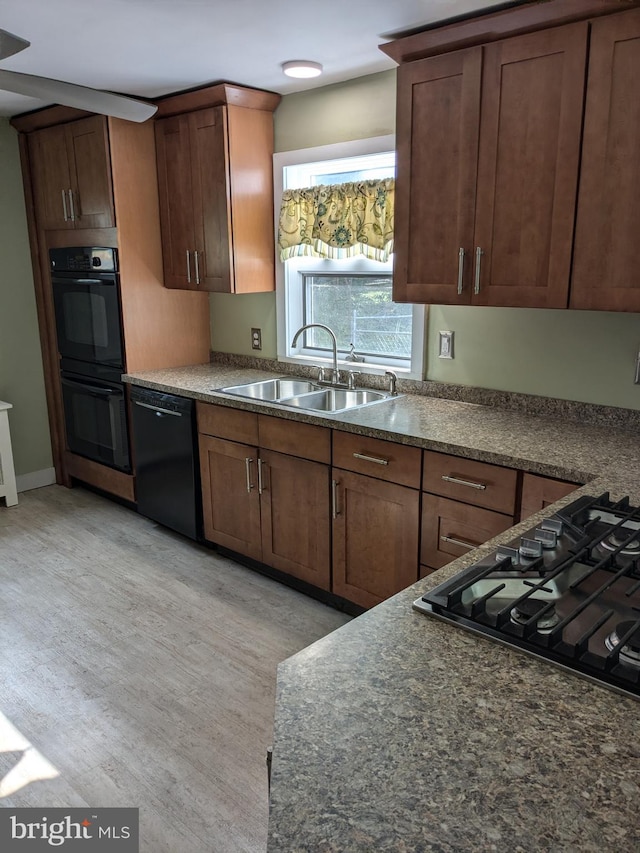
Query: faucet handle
pixel 392 382
pixel 351 379
pixel 321 376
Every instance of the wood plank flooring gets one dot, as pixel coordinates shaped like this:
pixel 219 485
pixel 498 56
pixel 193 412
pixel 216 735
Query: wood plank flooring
pixel 138 669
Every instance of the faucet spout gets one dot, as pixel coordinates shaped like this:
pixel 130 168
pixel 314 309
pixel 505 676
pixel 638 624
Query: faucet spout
pixel 334 344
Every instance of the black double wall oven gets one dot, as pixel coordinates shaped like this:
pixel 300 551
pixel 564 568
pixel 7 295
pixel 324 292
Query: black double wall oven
pixel 86 297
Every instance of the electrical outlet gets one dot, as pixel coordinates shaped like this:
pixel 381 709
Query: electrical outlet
pixel 446 345
pixel 256 338
pixel 637 375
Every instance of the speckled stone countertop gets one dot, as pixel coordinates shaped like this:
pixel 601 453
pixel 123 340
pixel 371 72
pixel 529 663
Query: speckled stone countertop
pixel 402 733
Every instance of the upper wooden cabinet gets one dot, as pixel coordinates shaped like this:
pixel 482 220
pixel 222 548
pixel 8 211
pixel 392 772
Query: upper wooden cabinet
pixel 216 196
pixel 71 173
pixel 607 250
pixel 488 156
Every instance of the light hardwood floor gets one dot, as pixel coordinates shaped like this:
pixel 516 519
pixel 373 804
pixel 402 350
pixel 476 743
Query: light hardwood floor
pixel 140 668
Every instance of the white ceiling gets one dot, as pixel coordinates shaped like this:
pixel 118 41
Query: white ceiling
pixel 152 47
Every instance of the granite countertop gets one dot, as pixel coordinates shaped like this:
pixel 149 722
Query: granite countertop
pixel 398 732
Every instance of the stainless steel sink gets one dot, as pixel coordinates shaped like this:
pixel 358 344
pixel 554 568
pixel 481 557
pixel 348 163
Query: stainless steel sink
pixel 335 399
pixel 306 395
pixel 272 390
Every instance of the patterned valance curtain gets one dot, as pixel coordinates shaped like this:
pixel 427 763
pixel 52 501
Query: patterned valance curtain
pixel 338 221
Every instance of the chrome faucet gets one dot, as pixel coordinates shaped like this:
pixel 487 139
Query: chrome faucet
pixel 336 374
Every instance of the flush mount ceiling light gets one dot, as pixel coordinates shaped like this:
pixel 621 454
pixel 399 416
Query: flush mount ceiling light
pixel 301 68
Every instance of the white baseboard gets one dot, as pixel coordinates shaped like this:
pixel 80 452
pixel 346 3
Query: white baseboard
pixel 36 479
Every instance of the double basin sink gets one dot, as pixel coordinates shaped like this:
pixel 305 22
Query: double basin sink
pixel 307 396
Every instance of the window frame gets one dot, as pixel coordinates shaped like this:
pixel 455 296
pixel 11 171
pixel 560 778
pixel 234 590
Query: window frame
pixel 289 308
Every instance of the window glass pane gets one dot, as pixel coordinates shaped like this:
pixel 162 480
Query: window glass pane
pixel 360 311
pixel 350 177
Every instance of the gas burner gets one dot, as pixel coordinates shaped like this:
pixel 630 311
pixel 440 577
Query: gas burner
pixel 614 540
pixel 530 607
pixel 630 652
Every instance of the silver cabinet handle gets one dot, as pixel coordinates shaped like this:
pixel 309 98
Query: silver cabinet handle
pixel 377 459
pixel 188 267
pixel 260 484
pixel 459 482
pixel 460 268
pixel 247 462
pixel 334 499
pixel 479 254
pixel 197 265
pixel 71 207
pixel 64 205
pixel 453 541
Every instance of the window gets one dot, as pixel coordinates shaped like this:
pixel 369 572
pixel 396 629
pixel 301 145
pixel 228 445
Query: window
pixel 352 295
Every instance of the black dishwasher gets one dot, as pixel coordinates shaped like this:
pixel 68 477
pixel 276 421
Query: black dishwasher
pixel 164 442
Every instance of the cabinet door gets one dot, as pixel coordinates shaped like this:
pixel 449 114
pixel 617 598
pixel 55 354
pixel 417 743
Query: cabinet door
pixel 210 181
pixel 531 119
pixel 174 160
pixel 607 250
pixel 539 492
pixel 295 517
pixel 51 178
pixel 438 119
pixel 375 538
pixel 91 187
pixel 451 529
pixel 230 499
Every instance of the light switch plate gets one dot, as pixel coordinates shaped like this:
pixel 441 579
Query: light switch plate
pixel 445 349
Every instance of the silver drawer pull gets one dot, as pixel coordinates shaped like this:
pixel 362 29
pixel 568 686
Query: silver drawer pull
pixel 479 254
pixel 377 459
pixel 188 266
pixel 334 499
pixel 248 460
pixel 64 205
pixel 460 269
pixel 453 541
pixel 459 482
pixel 260 483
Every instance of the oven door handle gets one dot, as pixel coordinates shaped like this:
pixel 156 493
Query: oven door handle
pixel 92 389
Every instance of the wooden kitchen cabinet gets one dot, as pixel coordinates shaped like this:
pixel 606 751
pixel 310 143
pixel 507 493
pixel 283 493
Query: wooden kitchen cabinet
pixel 376 516
pixel 538 492
pixel 607 250
pixel 268 500
pixel 230 498
pixel 71 174
pixel 464 503
pixel 216 197
pixel 451 529
pixel 488 156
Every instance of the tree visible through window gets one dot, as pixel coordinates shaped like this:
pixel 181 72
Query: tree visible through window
pixel 359 310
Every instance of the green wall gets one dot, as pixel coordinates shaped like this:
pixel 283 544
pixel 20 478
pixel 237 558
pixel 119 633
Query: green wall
pixel 21 375
pixel 572 355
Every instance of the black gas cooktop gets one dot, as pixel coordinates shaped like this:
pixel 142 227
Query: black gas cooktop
pixel 568 591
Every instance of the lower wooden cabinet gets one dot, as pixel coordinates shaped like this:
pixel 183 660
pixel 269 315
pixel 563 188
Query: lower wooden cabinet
pixel 264 504
pixel 230 499
pixel 295 517
pixel 451 529
pixel 538 492
pixel 375 537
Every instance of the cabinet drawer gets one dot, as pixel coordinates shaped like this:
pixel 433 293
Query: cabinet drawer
pixel 451 529
pixel 384 460
pixel 538 492
pixel 295 439
pixel 232 424
pixel 477 483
